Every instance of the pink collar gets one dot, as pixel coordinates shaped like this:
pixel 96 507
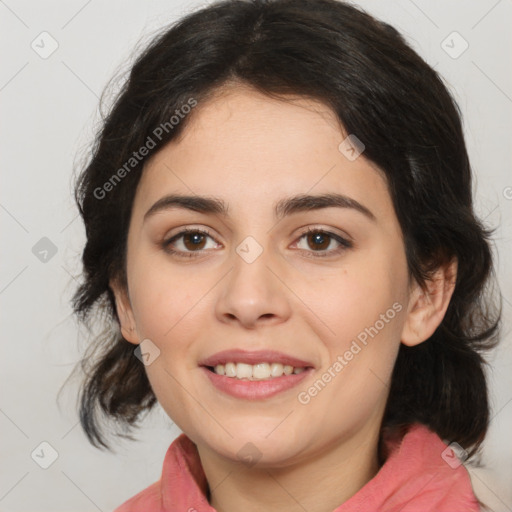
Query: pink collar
pixel 419 475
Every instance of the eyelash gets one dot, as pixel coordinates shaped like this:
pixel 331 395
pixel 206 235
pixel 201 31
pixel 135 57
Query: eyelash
pixel 345 244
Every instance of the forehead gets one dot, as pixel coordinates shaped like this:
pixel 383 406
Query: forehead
pixel 253 149
pixel 248 122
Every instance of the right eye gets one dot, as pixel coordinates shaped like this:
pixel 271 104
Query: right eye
pixel 192 242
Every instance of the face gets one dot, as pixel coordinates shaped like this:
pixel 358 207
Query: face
pixel 334 301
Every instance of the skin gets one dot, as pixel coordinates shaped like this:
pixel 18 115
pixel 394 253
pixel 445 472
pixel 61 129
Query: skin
pixel 252 151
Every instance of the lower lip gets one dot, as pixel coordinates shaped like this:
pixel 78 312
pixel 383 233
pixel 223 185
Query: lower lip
pixel 256 389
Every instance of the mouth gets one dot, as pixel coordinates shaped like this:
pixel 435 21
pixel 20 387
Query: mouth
pixel 254 375
pixel 254 365
pixel 259 371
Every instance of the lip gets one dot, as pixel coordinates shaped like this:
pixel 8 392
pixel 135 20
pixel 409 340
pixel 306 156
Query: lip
pixel 255 389
pixel 254 357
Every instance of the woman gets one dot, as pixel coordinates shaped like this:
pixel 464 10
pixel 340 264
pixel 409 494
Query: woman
pixel 280 224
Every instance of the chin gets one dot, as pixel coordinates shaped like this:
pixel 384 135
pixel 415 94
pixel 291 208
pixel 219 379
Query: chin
pixel 256 448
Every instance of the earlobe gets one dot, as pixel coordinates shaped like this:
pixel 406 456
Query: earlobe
pixel 124 313
pixel 427 307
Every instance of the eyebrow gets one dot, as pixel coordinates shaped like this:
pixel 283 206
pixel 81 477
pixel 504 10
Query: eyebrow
pixel 282 208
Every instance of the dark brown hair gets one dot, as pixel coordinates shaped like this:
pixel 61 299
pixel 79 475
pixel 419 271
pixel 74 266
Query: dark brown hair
pixel 382 92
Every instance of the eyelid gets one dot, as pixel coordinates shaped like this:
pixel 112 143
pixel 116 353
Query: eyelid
pixel 324 229
pixel 344 240
pixel 168 239
pixel 189 229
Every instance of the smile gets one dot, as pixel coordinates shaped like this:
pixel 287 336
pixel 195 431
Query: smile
pixel 260 371
pixel 254 375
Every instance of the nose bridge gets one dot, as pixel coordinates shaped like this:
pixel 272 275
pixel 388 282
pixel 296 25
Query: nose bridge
pixel 252 290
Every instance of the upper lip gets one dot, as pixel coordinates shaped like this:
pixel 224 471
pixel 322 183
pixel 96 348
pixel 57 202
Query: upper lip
pixel 254 357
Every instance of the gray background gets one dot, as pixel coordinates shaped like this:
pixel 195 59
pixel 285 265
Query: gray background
pixel 49 110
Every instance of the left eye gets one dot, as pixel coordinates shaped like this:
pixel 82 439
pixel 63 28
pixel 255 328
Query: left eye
pixel 193 241
pixel 322 240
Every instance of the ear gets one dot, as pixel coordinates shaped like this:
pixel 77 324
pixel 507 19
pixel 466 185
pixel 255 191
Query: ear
pixel 428 307
pixel 124 312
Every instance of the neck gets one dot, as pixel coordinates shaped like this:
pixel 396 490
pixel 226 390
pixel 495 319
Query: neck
pixel 334 475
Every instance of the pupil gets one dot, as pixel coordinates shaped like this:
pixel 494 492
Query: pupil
pixel 195 239
pixel 318 238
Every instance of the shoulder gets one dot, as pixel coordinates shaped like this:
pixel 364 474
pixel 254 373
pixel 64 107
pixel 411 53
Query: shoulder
pixel 176 478
pixel 420 473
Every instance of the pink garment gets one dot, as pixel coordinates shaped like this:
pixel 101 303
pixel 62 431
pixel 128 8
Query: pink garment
pixel 414 478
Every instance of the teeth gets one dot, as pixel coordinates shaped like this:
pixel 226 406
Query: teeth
pixel 243 371
pixel 276 369
pixel 258 371
pixel 230 370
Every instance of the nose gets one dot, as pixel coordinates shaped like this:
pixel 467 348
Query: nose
pixel 254 292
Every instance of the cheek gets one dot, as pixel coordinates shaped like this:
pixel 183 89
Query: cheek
pixel 359 357
pixel 360 295
pixel 163 298
pixel 364 307
pixel 169 310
